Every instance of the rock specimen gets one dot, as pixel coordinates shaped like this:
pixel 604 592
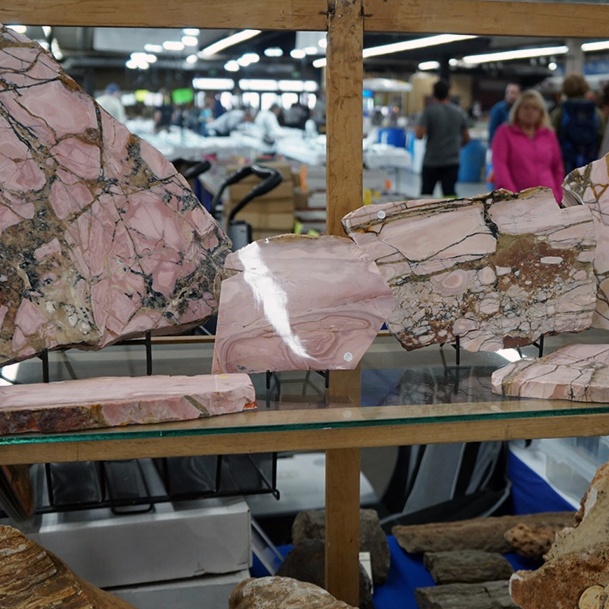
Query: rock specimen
pixel 306 562
pixel 467 566
pixel 32 578
pixel 495 271
pixel 311 524
pixel 116 401
pixel 488 595
pixel 531 541
pixel 578 559
pixel 576 372
pixel 588 186
pixel 284 592
pixel 100 237
pixel 299 303
pixel 486 534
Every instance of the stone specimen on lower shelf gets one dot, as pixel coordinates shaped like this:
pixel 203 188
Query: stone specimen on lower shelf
pixel 32 578
pixel 531 541
pixel 487 595
pixel 281 592
pixel 118 401
pixel 467 566
pixel 577 372
pixel 100 237
pixel 578 558
pixel 495 271
pixel 298 303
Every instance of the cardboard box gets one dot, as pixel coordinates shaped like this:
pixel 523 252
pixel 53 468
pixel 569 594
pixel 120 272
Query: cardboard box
pixel 281 221
pixel 238 192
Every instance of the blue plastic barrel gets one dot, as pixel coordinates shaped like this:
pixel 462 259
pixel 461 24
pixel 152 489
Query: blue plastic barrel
pixel 392 136
pixel 472 160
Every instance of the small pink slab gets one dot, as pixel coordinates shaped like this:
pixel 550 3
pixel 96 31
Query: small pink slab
pixel 299 303
pixel 117 401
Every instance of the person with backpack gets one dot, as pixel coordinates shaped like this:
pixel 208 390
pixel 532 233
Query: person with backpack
pixel 578 123
pixel 526 152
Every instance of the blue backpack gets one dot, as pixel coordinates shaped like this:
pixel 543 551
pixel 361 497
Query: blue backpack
pixel 578 133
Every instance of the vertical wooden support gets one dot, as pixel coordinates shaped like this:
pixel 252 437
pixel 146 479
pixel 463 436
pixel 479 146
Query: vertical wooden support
pixel 344 190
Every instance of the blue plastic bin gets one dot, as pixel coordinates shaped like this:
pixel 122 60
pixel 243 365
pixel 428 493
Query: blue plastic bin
pixel 472 160
pixel 392 136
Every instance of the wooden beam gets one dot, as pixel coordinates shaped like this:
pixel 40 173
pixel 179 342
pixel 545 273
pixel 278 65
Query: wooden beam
pixel 210 14
pixel 488 17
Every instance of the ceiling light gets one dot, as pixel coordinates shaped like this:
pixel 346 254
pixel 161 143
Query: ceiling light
pixel 273 52
pixel 143 57
pixel 520 54
pixel 191 31
pixel 323 43
pixel 429 65
pixel 46 30
pixel 217 84
pixel 192 59
pixel 173 45
pixel 251 58
pixel 20 29
pixel 231 66
pixel 298 54
pixel 552 66
pixel 320 63
pixel 216 47
pixel 153 48
pixel 190 41
pixel 258 84
pixel 311 50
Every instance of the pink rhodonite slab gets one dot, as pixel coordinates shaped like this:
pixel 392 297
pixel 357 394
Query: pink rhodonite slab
pixel 498 270
pixel 100 237
pixel 575 372
pixel 589 185
pixel 299 303
pixel 117 401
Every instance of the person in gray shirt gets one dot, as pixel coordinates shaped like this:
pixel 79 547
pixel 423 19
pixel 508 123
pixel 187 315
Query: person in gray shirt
pixel 445 126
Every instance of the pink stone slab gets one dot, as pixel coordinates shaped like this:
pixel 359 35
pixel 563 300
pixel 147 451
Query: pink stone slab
pixel 100 237
pixel 299 303
pixel 498 270
pixel 589 186
pixel 576 372
pixel 117 401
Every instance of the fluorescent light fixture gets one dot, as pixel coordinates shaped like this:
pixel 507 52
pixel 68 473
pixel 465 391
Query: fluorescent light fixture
pixel 257 84
pixel 20 29
pixel 141 58
pixel 406 45
pixel 297 85
pixel 229 41
pixel 511 355
pixel 173 45
pixel 520 54
pixel 248 58
pixel 192 59
pixel 311 50
pixel 191 31
pixel 231 66
pixel 46 30
pixel 153 48
pixel 601 45
pixel 273 52
pixel 190 41
pixel 217 84
pixel 323 43
pixel 298 54
pixel 429 65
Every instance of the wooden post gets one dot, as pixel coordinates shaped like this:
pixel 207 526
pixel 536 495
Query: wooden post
pixel 344 163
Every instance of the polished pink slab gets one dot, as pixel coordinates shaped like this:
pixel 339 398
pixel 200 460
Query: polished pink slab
pixel 299 303
pixel 576 372
pixel 117 401
pixel 589 186
pixel 100 237
pixel 495 271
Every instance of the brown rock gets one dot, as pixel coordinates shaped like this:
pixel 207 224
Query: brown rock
pixel 32 578
pixel 467 566
pixel 281 593
pixel 531 541
pixel 487 595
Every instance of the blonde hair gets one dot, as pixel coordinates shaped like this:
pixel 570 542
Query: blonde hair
pixel 534 97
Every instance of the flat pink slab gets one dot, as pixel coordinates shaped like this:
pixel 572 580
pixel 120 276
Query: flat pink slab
pixel 498 270
pixel 299 303
pixel 117 401
pixel 100 237
pixel 575 372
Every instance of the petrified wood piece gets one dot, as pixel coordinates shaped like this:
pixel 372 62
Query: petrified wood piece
pixel 486 534
pixel 281 592
pixel 467 566
pixel 116 401
pixel 577 372
pixel 306 562
pixel 311 524
pixel 531 541
pixel 100 237
pixel 578 559
pixel 498 270
pixel 488 595
pixel 32 578
pixel 299 303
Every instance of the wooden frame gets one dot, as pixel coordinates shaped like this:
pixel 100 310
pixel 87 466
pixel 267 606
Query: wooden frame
pixel 345 21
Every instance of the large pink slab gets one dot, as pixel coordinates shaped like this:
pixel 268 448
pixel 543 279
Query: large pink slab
pixel 299 303
pixel 117 401
pixel 495 271
pixel 576 372
pixel 100 237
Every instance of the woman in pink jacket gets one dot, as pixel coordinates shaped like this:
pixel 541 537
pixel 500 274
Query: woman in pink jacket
pixel 526 151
